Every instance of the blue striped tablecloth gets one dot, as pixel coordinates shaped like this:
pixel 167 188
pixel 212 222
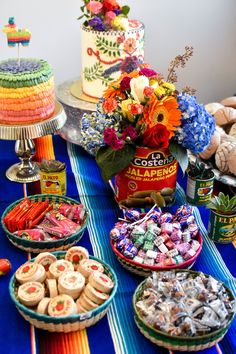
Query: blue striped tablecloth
pixel 116 332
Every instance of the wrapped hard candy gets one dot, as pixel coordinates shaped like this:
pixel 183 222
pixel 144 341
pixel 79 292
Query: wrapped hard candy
pixel 222 155
pixel 232 131
pixel 225 115
pixel 232 161
pixel 211 149
pixel 213 107
pixel 229 102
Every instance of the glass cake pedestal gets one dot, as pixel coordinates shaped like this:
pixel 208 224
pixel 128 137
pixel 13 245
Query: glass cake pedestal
pixel 27 171
pixel 75 106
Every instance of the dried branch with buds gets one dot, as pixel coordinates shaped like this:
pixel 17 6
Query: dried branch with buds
pixel 177 62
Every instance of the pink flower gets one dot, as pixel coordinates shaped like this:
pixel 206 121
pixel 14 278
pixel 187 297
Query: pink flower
pixel 95 7
pixel 117 143
pixel 148 72
pixel 148 91
pixel 120 39
pixel 109 105
pixel 129 132
pixel 109 17
pixel 135 108
pixel 109 134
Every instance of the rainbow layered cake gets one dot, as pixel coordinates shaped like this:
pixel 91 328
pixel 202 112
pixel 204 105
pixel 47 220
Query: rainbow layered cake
pixel 26 91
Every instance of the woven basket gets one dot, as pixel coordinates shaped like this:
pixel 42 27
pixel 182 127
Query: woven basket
pixel 43 246
pixel 67 323
pixel 188 344
pixel 145 270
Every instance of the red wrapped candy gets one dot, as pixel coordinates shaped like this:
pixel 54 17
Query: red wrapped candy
pixel 5 266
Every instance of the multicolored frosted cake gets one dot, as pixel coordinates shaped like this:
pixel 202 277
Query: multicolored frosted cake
pixel 105 54
pixel 26 91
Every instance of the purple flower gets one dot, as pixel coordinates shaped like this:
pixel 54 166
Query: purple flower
pixel 109 135
pixel 129 132
pixel 148 72
pixel 129 64
pixel 125 83
pixel 117 12
pixel 96 23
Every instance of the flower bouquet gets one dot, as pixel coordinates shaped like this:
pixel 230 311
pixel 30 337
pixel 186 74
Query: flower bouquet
pixel 142 127
pixel 104 15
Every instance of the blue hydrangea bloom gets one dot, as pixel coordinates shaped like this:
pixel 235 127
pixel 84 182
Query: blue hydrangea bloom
pixel 197 125
pixel 92 127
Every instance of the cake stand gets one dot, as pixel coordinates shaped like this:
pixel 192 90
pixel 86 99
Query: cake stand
pixel 27 171
pixel 74 107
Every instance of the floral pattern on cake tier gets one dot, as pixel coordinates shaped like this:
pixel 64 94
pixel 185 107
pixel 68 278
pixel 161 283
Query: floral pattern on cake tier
pixel 106 54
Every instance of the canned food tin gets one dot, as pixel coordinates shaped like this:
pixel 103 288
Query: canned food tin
pixel 222 228
pixel 53 182
pixel 199 191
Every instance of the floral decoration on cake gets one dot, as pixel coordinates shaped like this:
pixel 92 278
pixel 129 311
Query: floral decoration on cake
pixel 105 15
pixel 143 109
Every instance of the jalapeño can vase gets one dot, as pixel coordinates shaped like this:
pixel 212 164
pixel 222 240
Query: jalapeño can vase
pixel 150 178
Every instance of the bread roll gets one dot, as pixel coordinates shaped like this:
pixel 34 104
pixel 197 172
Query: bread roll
pixel 232 161
pixel 211 149
pixel 213 107
pixel 222 156
pixel 229 102
pixel 232 131
pixel 225 115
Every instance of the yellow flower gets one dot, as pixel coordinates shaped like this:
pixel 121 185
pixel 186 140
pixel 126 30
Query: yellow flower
pixel 120 23
pixel 169 86
pixel 153 83
pixel 125 111
pixel 160 91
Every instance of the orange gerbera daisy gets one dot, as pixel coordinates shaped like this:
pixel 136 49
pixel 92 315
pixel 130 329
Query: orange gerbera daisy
pixel 113 89
pixel 164 112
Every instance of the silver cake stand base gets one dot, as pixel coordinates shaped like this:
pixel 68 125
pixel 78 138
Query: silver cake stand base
pixel 75 108
pixel 27 171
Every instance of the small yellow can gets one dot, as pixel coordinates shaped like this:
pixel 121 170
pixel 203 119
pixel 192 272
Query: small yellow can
pixel 51 181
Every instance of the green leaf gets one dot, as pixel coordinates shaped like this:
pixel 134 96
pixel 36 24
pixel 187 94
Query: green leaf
pixel 125 10
pixel 180 153
pixel 112 162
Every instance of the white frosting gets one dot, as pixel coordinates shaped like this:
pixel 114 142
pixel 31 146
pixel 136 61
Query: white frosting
pixel 108 50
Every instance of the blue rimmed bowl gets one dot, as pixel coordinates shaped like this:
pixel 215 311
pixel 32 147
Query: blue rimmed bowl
pixel 49 245
pixel 66 323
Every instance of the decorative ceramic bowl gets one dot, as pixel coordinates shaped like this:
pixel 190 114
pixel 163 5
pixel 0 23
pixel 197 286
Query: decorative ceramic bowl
pixel 173 342
pixel 145 270
pixel 49 245
pixel 66 323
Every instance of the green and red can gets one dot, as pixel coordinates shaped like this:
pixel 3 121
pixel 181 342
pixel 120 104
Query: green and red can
pixel 222 227
pixel 199 191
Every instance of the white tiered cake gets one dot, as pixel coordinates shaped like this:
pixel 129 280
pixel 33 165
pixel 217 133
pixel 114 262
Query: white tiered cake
pixel 105 54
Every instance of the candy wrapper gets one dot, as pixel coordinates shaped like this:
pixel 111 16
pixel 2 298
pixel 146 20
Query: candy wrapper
pixel 33 235
pixel 175 303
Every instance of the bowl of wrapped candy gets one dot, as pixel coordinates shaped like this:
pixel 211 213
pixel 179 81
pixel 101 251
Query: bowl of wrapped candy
pixel 183 310
pixel 44 222
pixel 156 240
pixel 63 291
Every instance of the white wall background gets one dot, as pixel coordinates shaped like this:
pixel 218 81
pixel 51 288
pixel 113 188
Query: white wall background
pixel 208 25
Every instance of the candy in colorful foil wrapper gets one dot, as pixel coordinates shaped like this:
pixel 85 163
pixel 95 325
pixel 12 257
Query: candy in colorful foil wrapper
pixel 193 229
pixel 33 234
pixel 184 210
pixel 114 234
pixel 165 217
pixel 156 215
pixel 132 215
pixel 130 251
pixel 5 266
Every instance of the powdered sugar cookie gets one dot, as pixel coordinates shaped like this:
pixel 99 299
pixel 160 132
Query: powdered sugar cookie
pixel 222 155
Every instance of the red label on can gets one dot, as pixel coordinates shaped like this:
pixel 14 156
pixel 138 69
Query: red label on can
pixel 151 171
